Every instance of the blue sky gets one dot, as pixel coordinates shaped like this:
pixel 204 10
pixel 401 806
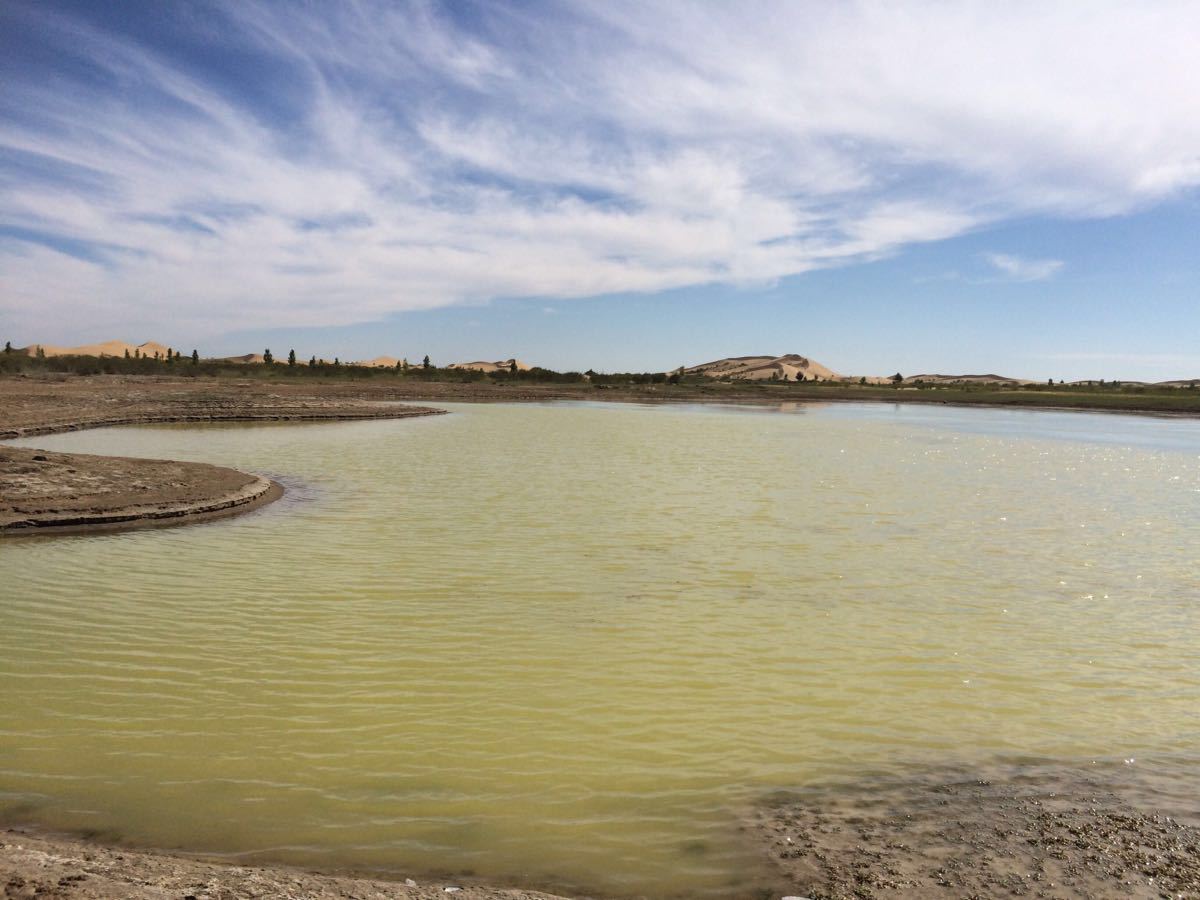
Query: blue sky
pixel 917 187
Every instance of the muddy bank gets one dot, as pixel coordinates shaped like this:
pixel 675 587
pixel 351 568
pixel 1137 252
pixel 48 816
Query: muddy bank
pixel 1037 831
pixel 44 867
pixel 29 407
pixel 46 492
pixel 46 405
pixel 1014 831
pixel 43 492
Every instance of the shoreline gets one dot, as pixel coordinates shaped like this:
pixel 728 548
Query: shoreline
pixel 37 863
pixel 49 494
pixel 28 431
pixel 1044 828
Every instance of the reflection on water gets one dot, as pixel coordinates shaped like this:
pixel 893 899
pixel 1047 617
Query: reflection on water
pixel 566 644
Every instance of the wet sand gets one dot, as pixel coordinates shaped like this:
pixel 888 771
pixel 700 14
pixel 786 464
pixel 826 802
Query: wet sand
pixel 1043 830
pixel 45 867
pixel 42 492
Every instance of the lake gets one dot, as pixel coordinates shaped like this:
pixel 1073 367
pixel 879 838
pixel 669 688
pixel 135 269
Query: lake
pixel 567 645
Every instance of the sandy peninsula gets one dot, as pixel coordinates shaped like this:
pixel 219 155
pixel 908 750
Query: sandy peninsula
pixel 43 492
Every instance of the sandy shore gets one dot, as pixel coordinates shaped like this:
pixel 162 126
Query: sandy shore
pixel 37 866
pixel 43 492
pixel 1040 831
pixel 1045 830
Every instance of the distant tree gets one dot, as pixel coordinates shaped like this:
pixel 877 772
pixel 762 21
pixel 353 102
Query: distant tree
pixel 312 363
pixel 195 357
pixel 404 364
pixel 863 380
pixel 1050 381
pixel 41 352
pixel 512 367
pixel 292 358
pixel 267 357
pixel 897 378
pixel 425 363
pixel 8 348
pixel 397 365
pixel 336 362
pixel 170 356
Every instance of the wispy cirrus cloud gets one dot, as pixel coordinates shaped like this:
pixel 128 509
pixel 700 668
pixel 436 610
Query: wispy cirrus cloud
pixel 259 164
pixel 1019 268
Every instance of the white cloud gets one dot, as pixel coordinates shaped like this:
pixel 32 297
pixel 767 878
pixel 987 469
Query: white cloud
pixel 1020 269
pixel 403 161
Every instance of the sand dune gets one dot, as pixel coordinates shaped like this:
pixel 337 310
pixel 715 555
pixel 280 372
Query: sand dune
pixel 105 348
pixel 759 368
pixel 379 362
pixel 497 366
pixel 964 379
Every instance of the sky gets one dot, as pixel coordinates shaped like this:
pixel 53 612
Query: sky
pixel 916 187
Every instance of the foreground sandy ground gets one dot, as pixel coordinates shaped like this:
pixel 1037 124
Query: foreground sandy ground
pixel 1043 831
pixel 1047 832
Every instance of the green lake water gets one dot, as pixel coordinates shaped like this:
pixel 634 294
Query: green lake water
pixel 569 645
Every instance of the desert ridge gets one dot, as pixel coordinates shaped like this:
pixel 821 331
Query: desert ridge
pixel 964 379
pixel 789 367
pixel 785 368
pixel 794 367
pixel 500 365
pixel 379 362
pixel 105 348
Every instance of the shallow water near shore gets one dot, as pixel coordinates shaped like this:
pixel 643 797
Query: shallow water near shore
pixel 567 645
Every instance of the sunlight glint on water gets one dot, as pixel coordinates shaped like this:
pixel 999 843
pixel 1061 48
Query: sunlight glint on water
pixel 566 645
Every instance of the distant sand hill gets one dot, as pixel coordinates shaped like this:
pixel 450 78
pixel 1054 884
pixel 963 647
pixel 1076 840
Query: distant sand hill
pixel 964 379
pixel 497 366
pixel 379 362
pixel 245 358
pixel 759 368
pixel 107 348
